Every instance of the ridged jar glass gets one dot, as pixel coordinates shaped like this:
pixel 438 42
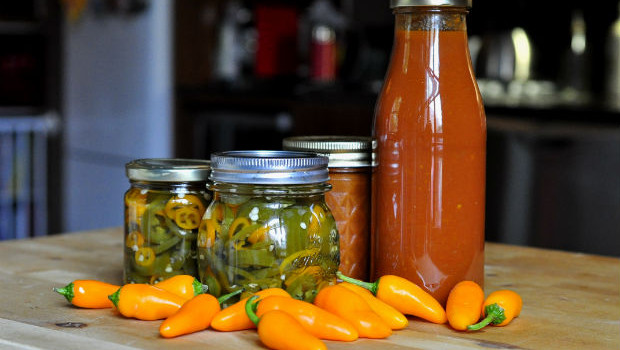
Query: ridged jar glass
pixel 268 224
pixel 163 208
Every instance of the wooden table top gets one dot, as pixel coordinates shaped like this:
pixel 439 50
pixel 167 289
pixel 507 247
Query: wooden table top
pixel 571 301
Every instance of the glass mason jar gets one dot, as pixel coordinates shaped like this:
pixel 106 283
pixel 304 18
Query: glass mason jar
pixel 163 208
pixel 268 224
pixel 350 165
pixel 430 127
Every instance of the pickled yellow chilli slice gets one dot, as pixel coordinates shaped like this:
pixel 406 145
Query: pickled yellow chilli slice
pixel 145 256
pixel 291 258
pixel 135 200
pixel 201 239
pixel 206 234
pixel 135 212
pixel 176 203
pixel 135 196
pixel 211 232
pixel 318 212
pixel 317 218
pixel 134 240
pixel 187 218
pixel 237 224
pixel 216 215
pixel 258 235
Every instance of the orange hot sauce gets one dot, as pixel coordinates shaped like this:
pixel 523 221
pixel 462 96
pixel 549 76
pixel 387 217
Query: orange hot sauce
pixel 430 128
pixel 349 199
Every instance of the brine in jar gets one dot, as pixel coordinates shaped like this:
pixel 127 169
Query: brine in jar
pixel 268 225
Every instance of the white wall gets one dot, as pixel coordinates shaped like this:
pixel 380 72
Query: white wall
pixel 117 107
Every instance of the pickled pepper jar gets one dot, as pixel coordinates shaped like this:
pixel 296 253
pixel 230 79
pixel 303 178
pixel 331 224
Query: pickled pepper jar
pixel 430 128
pixel 350 164
pixel 163 208
pixel 268 224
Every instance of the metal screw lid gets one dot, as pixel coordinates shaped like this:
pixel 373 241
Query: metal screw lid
pixel 269 167
pixel 168 170
pixel 449 3
pixel 342 151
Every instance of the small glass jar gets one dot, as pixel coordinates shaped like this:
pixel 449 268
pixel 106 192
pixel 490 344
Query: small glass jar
pixel 268 224
pixel 350 173
pixel 163 209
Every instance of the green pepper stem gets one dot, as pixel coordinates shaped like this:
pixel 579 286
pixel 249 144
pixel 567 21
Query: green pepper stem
pixel 250 309
pixel 371 286
pixel 66 291
pixel 114 297
pixel 198 287
pixel 225 297
pixel 494 315
pixel 481 324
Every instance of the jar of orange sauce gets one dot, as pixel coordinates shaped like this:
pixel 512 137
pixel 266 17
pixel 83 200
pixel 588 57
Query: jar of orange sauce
pixel 350 166
pixel 430 127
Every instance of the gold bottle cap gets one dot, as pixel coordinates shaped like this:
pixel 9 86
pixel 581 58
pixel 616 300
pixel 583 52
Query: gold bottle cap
pixel 342 151
pixel 449 3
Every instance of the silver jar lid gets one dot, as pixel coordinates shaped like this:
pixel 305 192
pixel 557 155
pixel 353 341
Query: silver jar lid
pixel 269 167
pixel 168 170
pixel 342 151
pixel 450 3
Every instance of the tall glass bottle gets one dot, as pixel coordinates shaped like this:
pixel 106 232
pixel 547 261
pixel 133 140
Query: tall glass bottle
pixel 430 128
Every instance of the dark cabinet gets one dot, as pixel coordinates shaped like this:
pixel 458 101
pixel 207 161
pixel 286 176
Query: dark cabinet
pixel 29 117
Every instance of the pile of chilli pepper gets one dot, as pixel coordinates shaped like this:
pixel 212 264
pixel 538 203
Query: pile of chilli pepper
pixel 345 311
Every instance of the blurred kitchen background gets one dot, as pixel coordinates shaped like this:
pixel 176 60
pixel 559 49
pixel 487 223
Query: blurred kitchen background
pixel 88 85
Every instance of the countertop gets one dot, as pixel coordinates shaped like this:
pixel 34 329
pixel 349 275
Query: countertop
pixel 571 301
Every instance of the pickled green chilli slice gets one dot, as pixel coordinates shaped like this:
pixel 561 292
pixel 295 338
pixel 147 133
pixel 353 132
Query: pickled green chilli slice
pixel 160 234
pixel 290 242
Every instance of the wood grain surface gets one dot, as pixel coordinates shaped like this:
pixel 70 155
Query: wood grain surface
pixel 571 301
